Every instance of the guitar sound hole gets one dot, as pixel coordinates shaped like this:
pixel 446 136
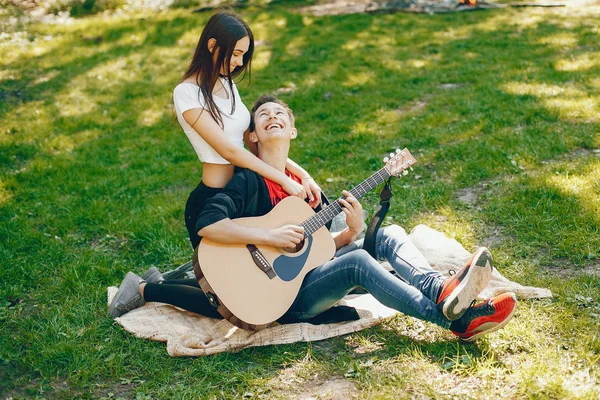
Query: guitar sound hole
pixel 296 249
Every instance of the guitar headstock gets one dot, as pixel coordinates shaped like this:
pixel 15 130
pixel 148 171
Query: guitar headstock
pixel 399 162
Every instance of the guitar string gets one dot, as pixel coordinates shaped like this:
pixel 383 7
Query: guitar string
pixel 319 219
pixel 316 221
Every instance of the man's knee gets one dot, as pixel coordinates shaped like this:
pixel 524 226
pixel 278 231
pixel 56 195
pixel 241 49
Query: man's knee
pixel 363 257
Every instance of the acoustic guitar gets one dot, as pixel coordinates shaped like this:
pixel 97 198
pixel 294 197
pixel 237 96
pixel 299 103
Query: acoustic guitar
pixel 252 286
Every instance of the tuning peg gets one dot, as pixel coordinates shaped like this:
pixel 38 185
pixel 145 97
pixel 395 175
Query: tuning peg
pixel 392 155
pixel 398 151
pixel 405 172
pixel 385 160
pixel 411 168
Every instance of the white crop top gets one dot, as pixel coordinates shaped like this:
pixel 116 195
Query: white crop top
pixel 187 96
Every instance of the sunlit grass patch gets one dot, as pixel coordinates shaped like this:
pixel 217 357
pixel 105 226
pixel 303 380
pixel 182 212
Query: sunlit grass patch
pixel 76 102
pixel 565 40
pixel 554 191
pixel 5 194
pixel 584 109
pixel 542 90
pixel 581 62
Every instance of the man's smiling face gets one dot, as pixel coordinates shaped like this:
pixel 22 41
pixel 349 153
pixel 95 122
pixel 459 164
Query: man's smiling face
pixel 272 120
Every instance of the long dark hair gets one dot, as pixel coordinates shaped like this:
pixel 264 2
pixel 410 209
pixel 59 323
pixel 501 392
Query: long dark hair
pixel 226 28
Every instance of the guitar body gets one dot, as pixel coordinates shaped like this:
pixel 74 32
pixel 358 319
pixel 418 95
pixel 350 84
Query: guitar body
pixel 246 290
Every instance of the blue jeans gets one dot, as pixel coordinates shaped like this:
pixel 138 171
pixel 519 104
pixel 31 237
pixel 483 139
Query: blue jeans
pixel 413 295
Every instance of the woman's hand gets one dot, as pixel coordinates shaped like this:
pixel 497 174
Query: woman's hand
pixel 313 190
pixel 293 188
pixel 354 212
pixel 287 236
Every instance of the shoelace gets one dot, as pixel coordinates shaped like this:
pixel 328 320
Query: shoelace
pixel 472 313
pixel 484 309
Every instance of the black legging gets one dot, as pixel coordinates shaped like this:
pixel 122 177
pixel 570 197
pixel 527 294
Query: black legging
pixel 186 294
pixel 182 293
pixel 194 206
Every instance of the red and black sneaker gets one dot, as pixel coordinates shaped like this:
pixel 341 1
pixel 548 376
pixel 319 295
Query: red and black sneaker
pixel 485 317
pixel 460 290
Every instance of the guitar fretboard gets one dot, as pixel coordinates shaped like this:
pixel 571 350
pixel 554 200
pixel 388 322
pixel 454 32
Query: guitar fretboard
pixel 312 224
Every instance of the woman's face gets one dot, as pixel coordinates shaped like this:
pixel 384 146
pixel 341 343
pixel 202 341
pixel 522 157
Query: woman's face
pixel 237 57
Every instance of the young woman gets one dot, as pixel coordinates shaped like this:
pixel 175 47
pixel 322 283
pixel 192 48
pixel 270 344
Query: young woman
pixel 212 115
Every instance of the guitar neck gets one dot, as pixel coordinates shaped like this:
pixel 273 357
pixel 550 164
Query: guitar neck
pixel 316 221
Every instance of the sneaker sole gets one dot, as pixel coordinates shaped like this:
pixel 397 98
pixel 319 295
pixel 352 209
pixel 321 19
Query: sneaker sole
pixel 495 328
pixel 477 278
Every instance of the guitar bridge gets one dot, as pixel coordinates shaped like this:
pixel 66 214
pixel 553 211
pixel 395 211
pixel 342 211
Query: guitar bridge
pixel 260 261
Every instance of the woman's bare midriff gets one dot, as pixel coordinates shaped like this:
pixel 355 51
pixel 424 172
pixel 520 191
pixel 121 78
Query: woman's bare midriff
pixel 217 175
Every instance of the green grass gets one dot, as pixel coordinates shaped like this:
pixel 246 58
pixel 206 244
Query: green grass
pixel 94 173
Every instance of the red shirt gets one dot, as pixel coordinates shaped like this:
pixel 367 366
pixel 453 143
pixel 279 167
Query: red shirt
pixel 276 192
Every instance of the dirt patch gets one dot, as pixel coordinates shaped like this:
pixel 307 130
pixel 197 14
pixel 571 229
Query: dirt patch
pixel 109 243
pixel 362 346
pixel 330 389
pixel 493 238
pixel 566 271
pixel 578 153
pixel 467 196
pixel 470 196
pixel 342 7
pixel 411 109
pixel 449 86
pixel 302 381
pixel 115 391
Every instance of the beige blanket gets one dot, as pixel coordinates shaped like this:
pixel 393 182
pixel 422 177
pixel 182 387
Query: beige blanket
pixel 189 334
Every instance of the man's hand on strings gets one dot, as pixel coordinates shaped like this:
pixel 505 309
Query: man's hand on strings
pixel 354 212
pixel 287 236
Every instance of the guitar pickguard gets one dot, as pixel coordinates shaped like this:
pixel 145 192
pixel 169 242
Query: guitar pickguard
pixel 288 268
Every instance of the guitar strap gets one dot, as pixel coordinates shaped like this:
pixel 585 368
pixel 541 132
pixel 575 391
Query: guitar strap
pixel 378 218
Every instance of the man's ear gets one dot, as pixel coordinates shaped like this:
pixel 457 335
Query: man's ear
pixel 253 137
pixel 294 133
pixel 212 42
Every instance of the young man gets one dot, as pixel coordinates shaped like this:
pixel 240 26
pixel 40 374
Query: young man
pixel 422 292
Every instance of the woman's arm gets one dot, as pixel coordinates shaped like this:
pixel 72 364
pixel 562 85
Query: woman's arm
pixel 212 133
pixel 312 189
